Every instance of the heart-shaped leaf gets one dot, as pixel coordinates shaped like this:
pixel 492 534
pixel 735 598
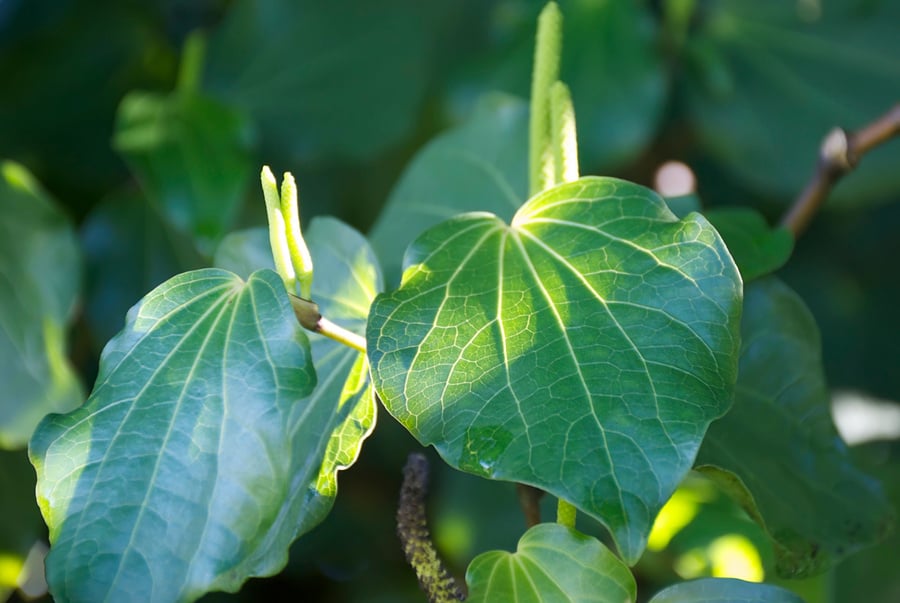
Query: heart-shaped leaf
pixel 184 471
pixel 480 166
pixel 40 274
pixel 552 563
pixel 724 590
pixel 191 155
pixel 341 410
pixel 777 451
pixel 583 350
pixel 758 249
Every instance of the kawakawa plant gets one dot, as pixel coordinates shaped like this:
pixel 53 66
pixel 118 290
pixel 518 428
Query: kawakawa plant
pixel 596 347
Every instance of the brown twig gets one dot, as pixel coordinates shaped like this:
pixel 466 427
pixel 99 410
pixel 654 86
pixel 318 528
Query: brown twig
pixel 530 499
pixel 839 154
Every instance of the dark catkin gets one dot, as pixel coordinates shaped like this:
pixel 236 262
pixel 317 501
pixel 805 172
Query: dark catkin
pixel 434 579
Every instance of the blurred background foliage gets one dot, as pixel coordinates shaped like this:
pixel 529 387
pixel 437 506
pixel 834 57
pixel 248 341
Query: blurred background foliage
pixel 144 140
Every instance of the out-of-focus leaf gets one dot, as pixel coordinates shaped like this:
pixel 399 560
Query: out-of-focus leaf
pixel 191 155
pixel 21 525
pixel 128 251
pixel 552 563
pixel 610 60
pixel 189 468
pixel 777 451
pixel 344 77
pixel 480 166
pixel 40 277
pixel 597 326
pixel 768 80
pixel 724 590
pixel 757 248
pixel 346 280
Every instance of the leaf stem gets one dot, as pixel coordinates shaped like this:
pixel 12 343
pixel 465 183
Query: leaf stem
pixel 307 313
pixel 839 154
pixel 566 514
pixel 548 45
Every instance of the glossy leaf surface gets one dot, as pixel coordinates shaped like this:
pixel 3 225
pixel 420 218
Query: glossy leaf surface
pixel 346 281
pixel 191 154
pixel 185 470
pixel 583 350
pixel 724 590
pixel 480 166
pixel 777 451
pixel 552 563
pixel 757 248
pixel 40 277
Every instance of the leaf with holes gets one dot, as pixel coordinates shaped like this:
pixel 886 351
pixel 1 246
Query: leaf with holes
pixel 185 471
pixel 552 563
pixel 584 349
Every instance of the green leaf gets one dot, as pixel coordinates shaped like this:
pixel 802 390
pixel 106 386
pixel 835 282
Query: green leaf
pixel 129 250
pixel 768 80
pixel 343 403
pixel 583 350
pixel 191 155
pixel 757 248
pixel 777 451
pixel 481 165
pixel 551 563
pixel 345 77
pixel 185 470
pixel 40 276
pixel 724 590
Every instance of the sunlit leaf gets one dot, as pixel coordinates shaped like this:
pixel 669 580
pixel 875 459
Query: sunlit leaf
pixel 583 350
pixel 724 590
pixel 191 154
pixel 480 166
pixel 777 451
pixel 552 563
pixel 186 470
pixel 343 402
pixel 40 277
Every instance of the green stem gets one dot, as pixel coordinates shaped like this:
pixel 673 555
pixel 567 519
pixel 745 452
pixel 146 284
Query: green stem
pixel 192 58
pixel 307 313
pixel 547 50
pixel 565 514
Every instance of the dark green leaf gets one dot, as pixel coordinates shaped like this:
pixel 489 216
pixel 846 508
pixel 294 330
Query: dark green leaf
pixel 724 590
pixel 552 563
pixel 185 471
pixel 479 166
pixel 757 248
pixel 21 526
pixel 777 451
pixel 343 403
pixel 128 250
pixel 344 77
pixel 40 275
pixel 583 350
pixel 191 155
pixel 769 79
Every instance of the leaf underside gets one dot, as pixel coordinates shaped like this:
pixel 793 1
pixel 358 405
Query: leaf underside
pixel 582 350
